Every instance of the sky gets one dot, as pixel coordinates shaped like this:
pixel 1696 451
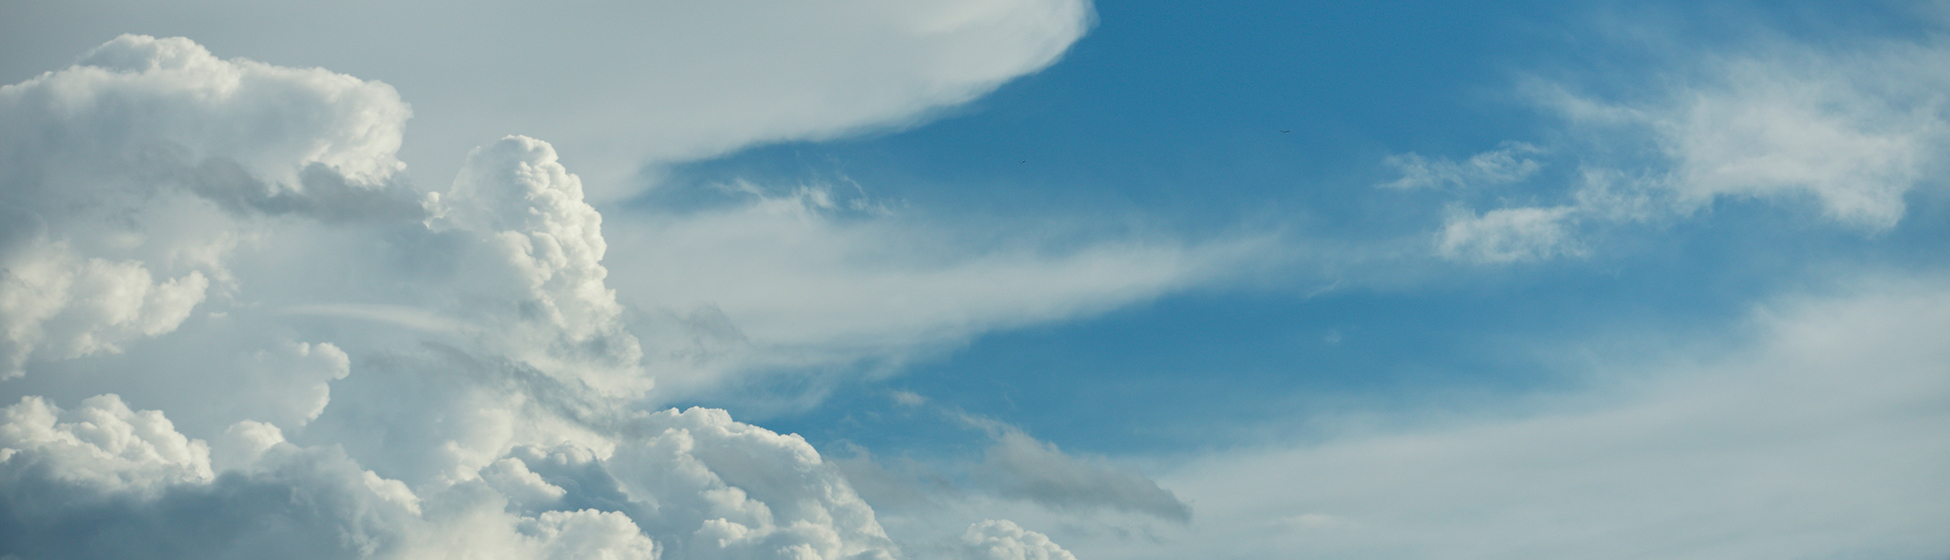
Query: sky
pixel 974 280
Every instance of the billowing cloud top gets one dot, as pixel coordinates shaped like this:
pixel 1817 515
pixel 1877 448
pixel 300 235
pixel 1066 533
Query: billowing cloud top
pixel 235 331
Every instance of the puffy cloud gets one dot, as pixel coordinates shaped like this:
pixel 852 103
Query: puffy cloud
pixel 140 102
pixel 103 445
pixel 1003 540
pixel 61 305
pixel 739 491
pixel 544 245
pixel 352 367
pixel 109 482
pixel 125 163
pixel 694 484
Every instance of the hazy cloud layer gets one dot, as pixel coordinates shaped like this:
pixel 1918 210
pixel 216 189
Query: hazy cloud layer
pixel 1821 437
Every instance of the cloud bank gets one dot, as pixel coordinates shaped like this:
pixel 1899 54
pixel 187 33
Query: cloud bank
pixel 233 329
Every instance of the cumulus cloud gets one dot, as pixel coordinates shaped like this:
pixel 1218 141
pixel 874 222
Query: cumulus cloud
pixel 110 482
pixel 61 305
pixel 271 343
pixel 1003 540
pixel 111 162
pixel 545 245
pixel 103 445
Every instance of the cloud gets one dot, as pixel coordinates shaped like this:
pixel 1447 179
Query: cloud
pixel 1004 540
pixel 1822 435
pixel 619 85
pixel 950 506
pixel 102 445
pixel 1504 165
pixel 537 234
pixel 1851 130
pixel 1024 468
pixel 157 498
pixel 1848 132
pixel 279 346
pixel 61 305
pixel 1507 235
pixel 785 281
pixel 113 161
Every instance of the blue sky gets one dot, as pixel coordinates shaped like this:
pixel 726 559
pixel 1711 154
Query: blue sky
pixel 975 279
pixel 1172 116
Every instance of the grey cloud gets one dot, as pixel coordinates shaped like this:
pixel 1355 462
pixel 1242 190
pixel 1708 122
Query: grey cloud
pixel 322 193
pixel 1025 468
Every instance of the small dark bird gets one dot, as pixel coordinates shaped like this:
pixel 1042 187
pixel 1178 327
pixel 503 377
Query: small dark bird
pixel 1023 161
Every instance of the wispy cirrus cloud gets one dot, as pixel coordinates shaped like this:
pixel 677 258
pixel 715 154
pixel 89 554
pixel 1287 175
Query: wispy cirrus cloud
pixel 1846 132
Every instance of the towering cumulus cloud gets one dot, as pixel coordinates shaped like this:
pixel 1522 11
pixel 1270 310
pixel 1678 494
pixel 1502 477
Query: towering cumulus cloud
pixel 233 329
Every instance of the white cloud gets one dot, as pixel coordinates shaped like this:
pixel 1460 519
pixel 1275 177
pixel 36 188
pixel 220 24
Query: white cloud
pixel 543 246
pixel 131 156
pixel 733 490
pixel 616 85
pixel 1508 235
pixel 60 305
pixel 1003 540
pixel 102 445
pixel 1504 165
pixel 784 282
pixel 1848 131
pixel 437 374
pixel 1824 436
pixel 109 482
pixel 1854 131
pixel 1851 130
